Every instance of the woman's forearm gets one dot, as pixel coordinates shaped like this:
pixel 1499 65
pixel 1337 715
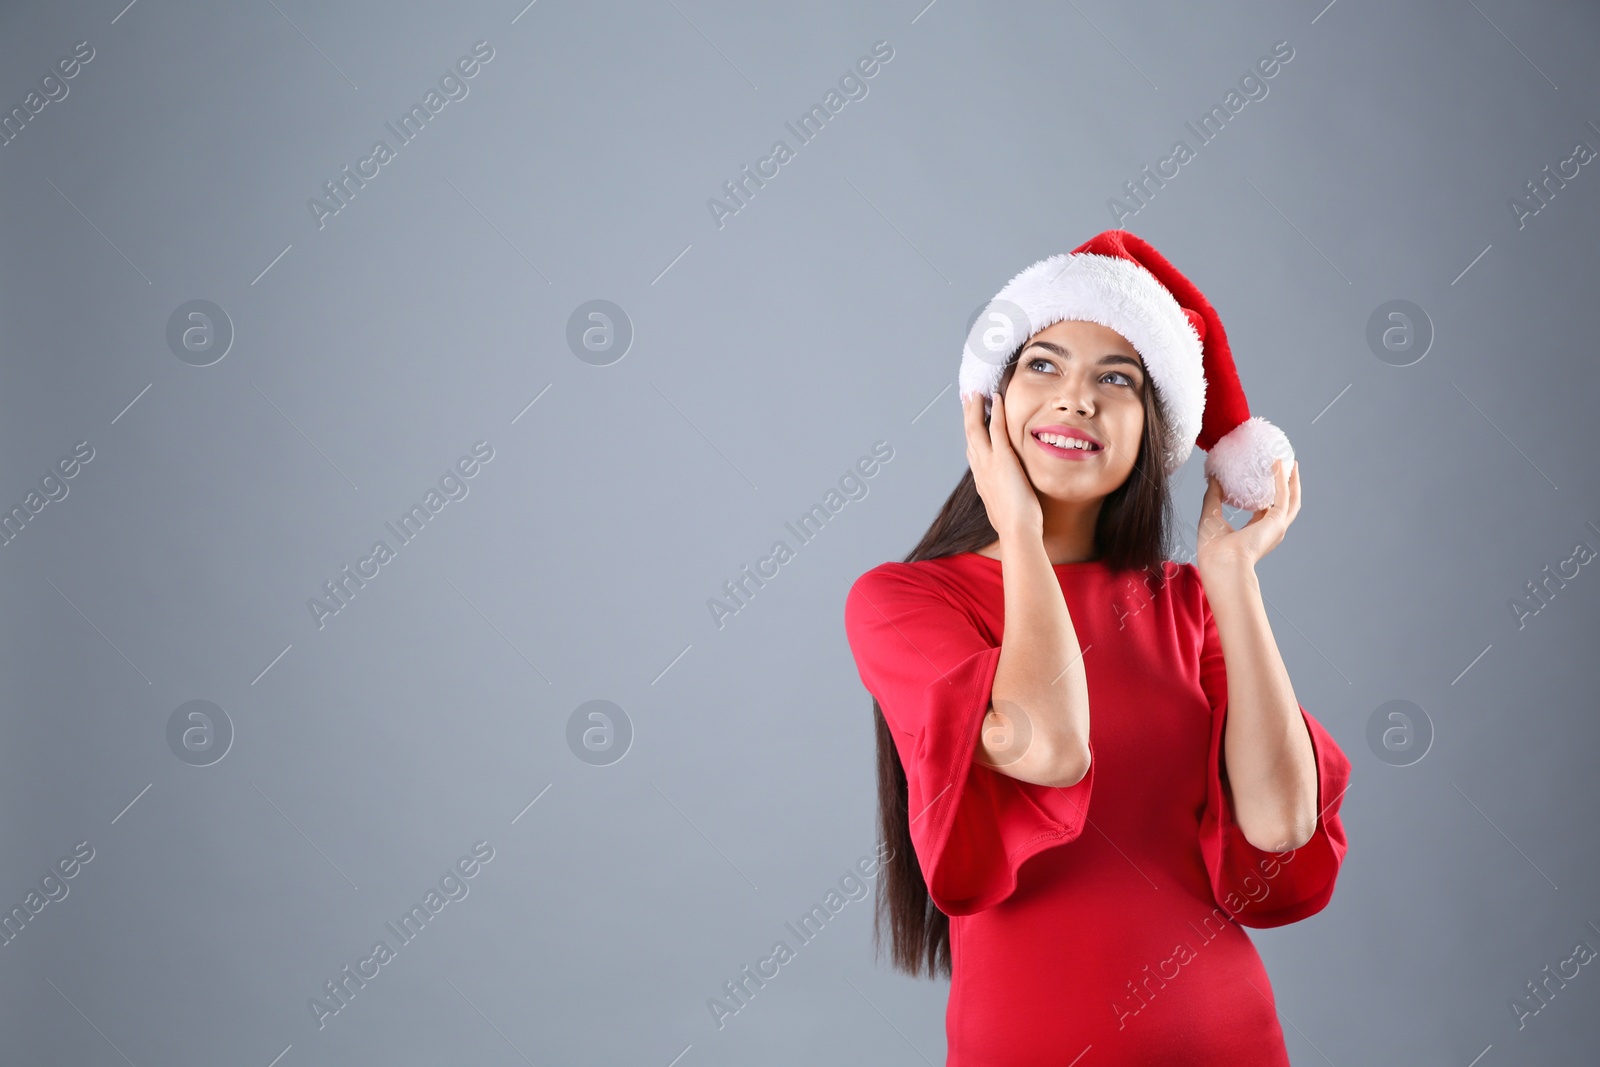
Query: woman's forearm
pixel 1037 728
pixel 1272 769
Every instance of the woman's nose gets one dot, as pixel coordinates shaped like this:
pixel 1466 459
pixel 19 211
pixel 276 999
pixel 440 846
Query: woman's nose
pixel 1076 396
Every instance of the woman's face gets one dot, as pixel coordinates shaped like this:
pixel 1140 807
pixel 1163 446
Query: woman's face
pixel 1076 376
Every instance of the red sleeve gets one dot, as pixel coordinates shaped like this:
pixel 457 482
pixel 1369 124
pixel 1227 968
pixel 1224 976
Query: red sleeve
pixel 931 670
pixel 1259 888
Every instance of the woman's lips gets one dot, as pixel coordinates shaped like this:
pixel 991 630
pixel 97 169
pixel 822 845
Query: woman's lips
pixel 1067 453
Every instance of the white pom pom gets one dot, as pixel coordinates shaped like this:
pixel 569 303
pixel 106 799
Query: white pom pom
pixel 1242 462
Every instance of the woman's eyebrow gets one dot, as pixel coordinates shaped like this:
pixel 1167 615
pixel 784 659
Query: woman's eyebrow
pixel 1108 358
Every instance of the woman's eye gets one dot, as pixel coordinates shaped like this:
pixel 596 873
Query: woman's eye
pixel 1039 361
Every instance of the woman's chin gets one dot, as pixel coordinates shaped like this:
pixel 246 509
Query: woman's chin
pixel 1066 490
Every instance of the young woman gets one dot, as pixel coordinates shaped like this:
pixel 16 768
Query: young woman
pixel 1092 768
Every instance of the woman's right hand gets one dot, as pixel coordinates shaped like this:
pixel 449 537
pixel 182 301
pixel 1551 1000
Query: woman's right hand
pixel 1008 495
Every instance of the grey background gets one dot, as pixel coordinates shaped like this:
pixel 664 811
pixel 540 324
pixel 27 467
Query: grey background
pixel 769 355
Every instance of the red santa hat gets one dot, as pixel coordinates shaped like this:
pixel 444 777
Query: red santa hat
pixel 1118 280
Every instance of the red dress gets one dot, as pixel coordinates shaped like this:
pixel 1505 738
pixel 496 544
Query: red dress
pixel 1104 918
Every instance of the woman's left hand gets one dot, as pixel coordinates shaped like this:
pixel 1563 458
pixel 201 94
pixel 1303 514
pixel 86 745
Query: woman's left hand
pixel 1221 548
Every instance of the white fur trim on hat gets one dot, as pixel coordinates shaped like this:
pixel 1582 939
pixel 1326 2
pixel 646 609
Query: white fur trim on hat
pixel 1242 462
pixel 1116 293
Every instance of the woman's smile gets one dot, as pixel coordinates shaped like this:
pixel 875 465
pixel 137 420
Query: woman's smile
pixel 1066 442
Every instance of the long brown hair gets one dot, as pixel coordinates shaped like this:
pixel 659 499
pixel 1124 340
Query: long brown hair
pixel 1131 533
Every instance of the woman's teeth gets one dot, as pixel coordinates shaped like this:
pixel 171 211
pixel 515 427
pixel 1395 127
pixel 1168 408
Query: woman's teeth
pixel 1066 442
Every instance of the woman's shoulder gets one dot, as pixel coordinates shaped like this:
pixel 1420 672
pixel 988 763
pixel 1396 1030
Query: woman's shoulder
pixel 1182 579
pixel 1187 594
pixel 946 595
pixel 943 573
pixel 965 580
pixel 1187 572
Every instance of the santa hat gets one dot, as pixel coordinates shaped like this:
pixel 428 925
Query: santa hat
pixel 1118 280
